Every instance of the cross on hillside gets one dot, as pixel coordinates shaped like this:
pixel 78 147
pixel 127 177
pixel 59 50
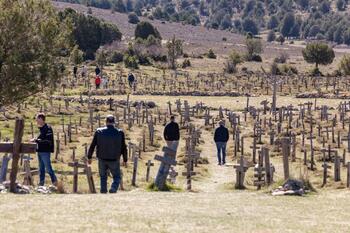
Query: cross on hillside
pixel 17 148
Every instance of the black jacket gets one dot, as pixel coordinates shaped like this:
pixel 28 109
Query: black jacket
pixel 110 143
pixel 221 134
pixel 45 139
pixel 97 71
pixel 171 132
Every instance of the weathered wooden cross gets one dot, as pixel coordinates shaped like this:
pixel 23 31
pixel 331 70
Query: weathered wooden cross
pixel 17 148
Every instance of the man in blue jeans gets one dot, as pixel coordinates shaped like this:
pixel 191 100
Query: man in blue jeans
pixel 221 137
pixel 45 143
pixel 110 143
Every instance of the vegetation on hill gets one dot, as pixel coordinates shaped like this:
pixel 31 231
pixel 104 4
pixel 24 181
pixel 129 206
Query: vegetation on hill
pixel 304 19
pixel 89 33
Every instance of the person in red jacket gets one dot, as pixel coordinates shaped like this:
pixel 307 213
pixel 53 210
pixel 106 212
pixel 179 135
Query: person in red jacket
pixel 98 82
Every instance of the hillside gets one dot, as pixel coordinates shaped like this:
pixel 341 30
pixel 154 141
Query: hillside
pixel 294 19
pixel 197 39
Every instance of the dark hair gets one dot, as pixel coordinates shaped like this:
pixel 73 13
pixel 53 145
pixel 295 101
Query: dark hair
pixel 41 116
pixel 110 119
pixel 172 117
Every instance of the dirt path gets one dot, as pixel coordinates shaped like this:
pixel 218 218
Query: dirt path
pixel 218 175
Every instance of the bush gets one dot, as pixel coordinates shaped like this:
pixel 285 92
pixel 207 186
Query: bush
pixel 315 72
pixel 281 58
pixel 232 61
pixel 344 65
pixel 133 19
pixel 224 39
pixel 131 61
pixel 211 54
pixel 271 36
pixel 145 29
pixel 186 63
pixel 116 57
pixel 256 58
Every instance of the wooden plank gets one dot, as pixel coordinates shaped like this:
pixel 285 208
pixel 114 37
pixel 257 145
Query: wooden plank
pixel 169 151
pixel 166 160
pixel 25 148
pixel 18 134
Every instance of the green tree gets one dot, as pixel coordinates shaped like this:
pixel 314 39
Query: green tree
pixel 232 61
pixel 287 24
pixel 175 50
pixel 254 47
pixel 249 25
pixel 280 39
pixel 344 65
pixel 145 29
pixel 76 56
pixel 318 53
pixel 31 43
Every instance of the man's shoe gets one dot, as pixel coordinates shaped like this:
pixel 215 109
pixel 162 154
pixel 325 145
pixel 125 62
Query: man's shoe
pixel 112 191
pixel 219 164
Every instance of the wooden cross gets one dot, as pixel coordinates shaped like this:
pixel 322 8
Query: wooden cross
pixel 167 160
pixel 17 148
pixel 241 169
pixel 87 170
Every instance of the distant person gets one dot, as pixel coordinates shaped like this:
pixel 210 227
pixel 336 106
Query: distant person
pixel 172 134
pixel 45 142
pixel 131 79
pixel 75 71
pixel 110 143
pixel 98 82
pixel 83 72
pixel 221 137
pixel 97 70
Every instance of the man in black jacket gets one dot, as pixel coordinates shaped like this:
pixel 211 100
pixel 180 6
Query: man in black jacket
pixel 221 137
pixel 110 143
pixel 172 134
pixel 45 143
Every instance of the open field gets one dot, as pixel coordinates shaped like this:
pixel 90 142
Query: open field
pixel 133 212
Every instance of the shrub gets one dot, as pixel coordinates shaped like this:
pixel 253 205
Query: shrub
pixel 256 58
pixel 133 18
pixel 186 63
pixel 130 61
pixel 145 29
pixel 232 61
pixel 271 36
pixel 211 54
pixel 281 58
pixel 116 57
pixel 344 65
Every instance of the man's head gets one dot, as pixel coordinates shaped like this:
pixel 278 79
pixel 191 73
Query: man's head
pixel 40 119
pixel 172 118
pixel 222 123
pixel 110 120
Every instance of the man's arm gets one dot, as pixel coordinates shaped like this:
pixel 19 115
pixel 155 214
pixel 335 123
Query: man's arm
pixel 124 148
pixel 228 134
pixel 165 132
pixel 92 146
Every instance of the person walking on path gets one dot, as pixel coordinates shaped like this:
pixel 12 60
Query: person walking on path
pixel 75 71
pixel 97 82
pixel 221 137
pixel 45 142
pixel 172 134
pixel 110 145
pixel 131 79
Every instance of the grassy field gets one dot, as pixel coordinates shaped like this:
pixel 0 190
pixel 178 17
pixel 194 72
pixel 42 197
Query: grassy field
pixel 176 212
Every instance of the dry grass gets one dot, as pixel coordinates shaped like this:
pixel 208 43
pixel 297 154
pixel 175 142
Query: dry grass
pixel 176 212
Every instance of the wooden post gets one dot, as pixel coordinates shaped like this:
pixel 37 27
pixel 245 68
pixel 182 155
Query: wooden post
pixel 149 164
pixel 134 172
pixel 285 154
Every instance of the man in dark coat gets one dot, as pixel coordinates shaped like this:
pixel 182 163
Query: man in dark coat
pixel 221 137
pixel 172 134
pixel 45 142
pixel 110 143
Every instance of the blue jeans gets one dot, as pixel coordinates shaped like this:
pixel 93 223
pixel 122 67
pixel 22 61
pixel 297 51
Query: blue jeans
pixel 221 148
pixel 45 164
pixel 114 168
